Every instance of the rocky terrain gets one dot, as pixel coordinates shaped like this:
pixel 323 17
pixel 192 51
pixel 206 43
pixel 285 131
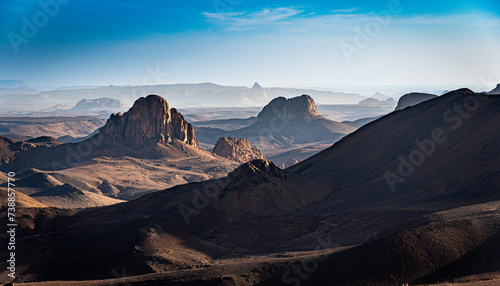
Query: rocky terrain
pixel 238 150
pixel 416 187
pixel 151 147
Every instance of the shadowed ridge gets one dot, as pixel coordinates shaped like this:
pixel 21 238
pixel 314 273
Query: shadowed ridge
pixel 259 166
pixel 45 139
pixel 458 130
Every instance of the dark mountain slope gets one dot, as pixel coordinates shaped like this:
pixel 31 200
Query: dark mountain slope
pixel 443 151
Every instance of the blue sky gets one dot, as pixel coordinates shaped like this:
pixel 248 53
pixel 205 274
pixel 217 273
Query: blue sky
pixel 238 42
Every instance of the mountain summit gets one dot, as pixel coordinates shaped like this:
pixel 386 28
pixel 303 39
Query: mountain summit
pixel 150 120
pixel 302 107
pixel 256 86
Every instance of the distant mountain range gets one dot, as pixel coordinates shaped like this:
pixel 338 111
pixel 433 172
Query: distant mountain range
pixel 375 102
pixel 180 95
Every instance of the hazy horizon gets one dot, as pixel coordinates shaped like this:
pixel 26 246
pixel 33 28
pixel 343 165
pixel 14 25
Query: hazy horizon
pixel 394 91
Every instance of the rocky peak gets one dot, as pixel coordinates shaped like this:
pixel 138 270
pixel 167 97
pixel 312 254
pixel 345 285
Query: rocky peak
pixel 256 86
pixel 238 150
pixel 257 169
pixel 301 107
pixel 150 120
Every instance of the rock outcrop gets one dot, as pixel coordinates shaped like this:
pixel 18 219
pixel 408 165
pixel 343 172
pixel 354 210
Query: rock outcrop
pixel 149 121
pixel 412 99
pixel 302 107
pixel 238 150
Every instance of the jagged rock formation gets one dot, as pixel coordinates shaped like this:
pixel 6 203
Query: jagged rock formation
pixel 238 150
pixel 247 172
pixel 412 99
pixel 149 121
pixel 302 107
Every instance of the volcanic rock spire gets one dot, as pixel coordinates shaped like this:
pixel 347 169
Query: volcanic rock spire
pixel 150 120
